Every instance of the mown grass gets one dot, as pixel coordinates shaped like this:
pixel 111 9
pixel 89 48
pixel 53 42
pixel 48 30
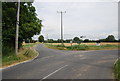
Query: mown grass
pixel 117 70
pixel 83 47
pixel 27 45
pixel 25 53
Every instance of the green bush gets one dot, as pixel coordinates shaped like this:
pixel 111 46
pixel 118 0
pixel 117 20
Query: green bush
pixel 60 45
pixel 117 70
pixel 6 50
pixel 77 47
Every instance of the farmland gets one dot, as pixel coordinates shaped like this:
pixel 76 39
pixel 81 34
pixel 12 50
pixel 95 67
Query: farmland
pixel 103 43
pixel 83 46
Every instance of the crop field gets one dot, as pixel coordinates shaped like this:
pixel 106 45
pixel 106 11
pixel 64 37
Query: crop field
pixel 102 43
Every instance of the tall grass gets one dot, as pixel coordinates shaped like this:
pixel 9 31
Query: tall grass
pixel 117 70
pixel 24 54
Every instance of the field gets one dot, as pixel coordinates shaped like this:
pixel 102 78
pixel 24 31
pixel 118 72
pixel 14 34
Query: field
pixel 103 43
pixel 84 46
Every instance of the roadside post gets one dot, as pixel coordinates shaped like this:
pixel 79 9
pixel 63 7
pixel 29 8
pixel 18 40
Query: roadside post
pixel 98 43
pixel 71 43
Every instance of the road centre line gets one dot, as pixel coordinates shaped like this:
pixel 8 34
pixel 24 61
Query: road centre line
pixel 53 72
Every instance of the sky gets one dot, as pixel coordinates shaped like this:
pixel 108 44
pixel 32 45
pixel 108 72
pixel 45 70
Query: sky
pixel 94 19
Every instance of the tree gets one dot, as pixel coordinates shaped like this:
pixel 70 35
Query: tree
pixel 50 40
pixel 68 40
pixel 86 40
pixel 41 38
pixel 29 23
pixel 76 39
pixel 110 38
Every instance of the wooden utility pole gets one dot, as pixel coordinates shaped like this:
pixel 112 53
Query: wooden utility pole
pixel 17 28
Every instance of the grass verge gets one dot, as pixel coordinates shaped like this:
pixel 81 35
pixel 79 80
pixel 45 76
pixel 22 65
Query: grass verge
pixel 117 70
pixel 83 47
pixel 24 55
pixel 27 45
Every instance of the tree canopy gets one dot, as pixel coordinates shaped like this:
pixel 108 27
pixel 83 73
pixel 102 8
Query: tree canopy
pixel 110 38
pixel 76 39
pixel 41 38
pixel 29 23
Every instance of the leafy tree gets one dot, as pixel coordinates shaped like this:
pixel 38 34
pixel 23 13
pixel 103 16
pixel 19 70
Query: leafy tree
pixel 76 39
pixel 68 40
pixel 110 38
pixel 50 40
pixel 29 23
pixel 59 41
pixel 86 40
pixel 41 38
pixel 102 40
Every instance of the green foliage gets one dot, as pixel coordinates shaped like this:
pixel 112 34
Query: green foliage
pixel 76 39
pixel 68 40
pixel 50 40
pixel 86 40
pixel 27 45
pixel 41 38
pixel 110 38
pixel 84 47
pixel 25 54
pixel 29 23
pixel 78 47
pixel 117 70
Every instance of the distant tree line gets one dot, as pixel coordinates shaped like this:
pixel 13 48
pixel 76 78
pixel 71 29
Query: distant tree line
pixel 110 38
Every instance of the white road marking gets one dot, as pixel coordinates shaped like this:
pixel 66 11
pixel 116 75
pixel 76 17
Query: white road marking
pixel 53 72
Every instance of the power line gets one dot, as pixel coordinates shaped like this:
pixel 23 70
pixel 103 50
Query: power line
pixel 61 26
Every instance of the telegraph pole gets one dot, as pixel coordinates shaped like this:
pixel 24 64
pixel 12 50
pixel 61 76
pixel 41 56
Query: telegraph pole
pixel 17 28
pixel 47 38
pixel 61 26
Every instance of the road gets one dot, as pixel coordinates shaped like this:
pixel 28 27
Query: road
pixel 62 64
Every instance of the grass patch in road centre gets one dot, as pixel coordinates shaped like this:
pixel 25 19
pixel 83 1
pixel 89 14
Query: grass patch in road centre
pixel 117 70
pixel 83 47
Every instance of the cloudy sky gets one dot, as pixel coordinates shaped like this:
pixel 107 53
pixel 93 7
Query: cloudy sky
pixel 95 19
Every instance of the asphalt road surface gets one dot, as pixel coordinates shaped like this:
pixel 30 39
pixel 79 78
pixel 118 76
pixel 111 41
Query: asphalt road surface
pixel 62 64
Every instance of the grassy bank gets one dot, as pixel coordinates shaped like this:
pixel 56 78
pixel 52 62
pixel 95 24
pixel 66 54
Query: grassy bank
pixel 83 47
pixel 27 45
pixel 25 53
pixel 117 70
